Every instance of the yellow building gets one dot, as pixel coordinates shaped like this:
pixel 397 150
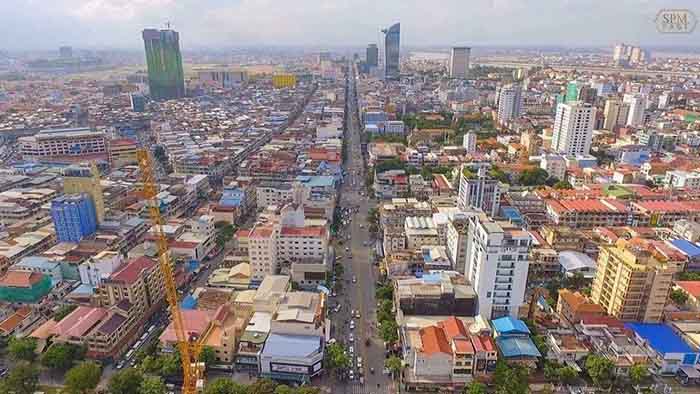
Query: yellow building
pixel 633 280
pixel 284 80
pixel 122 152
pixel 78 179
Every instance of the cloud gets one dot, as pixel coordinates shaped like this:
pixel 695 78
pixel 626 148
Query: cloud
pixel 231 23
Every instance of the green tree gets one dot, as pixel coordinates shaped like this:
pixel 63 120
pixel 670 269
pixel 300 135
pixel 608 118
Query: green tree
pixel 561 185
pixel 474 388
pixel 225 232
pixel 262 386
pixel 63 311
pixel 284 389
pixel 171 365
pixel 151 364
pixel 60 356
pixel 510 380
pixel 567 375
pixel 551 372
pixel 207 356
pixel 152 385
pixel 385 292
pixel 224 386
pixel 394 365
pixel 638 374
pixel 126 381
pixel 23 378
pixel 498 174
pixel 336 358
pixel 83 378
pixel 22 349
pixel 388 331
pixel 533 177
pixel 678 296
pixel 600 369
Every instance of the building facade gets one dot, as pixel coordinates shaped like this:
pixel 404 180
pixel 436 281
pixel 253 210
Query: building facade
pixel 573 128
pixel 74 217
pixel 392 42
pixel 459 62
pixel 166 79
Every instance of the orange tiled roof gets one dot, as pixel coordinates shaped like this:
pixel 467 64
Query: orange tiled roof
pixel 434 341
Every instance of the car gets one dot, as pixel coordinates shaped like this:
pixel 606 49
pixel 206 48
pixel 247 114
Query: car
pixel 359 361
pixel 351 349
pixel 351 375
pixel 354 279
pixel 357 314
pixel 371 370
pixel 352 325
pixel 120 365
pixel 351 338
pixel 362 380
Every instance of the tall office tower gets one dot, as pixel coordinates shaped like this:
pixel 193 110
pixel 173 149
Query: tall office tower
pixel 497 265
pixel 65 52
pixel 166 79
pixel 459 62
pixel 78 180
pixel 392 43
pixel 637 103
pixel 479 191
pixel 469 142
pixel 571 91
pixel 615 113
pixel 510 103
pixel 633 280
pixel 323 57
pixel 619 56
pixel 587 94
pixel 372 55
pixel 74 217
pixel 573 128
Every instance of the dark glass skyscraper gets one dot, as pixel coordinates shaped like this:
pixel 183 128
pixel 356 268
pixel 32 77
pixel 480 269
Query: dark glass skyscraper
pixel 372 55
pixel 392 41
pixel 165 77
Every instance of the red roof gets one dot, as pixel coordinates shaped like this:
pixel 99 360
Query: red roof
pixel 434 340
pixel 691 287
pixel 483 343
pixel 261 232
pixel 585 205
pixel 132 270
pixel 20 279
pixel 453 328
pixel 307 231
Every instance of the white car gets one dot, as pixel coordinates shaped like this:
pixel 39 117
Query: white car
pixel 352 325
pixel 352 350
pixel 351 338
pixel 354 279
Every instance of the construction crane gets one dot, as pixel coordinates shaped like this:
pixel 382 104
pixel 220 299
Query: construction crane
pixel 189 345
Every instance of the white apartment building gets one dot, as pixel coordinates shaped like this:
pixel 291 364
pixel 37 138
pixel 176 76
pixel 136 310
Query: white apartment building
pixel 637 104
pixel 510 103
pixel 99 267
pixel 497 265
pixel 262 251
pixel 615 113
pixel 273 193
pixel 469 142
pixel 679 179
pixel 457 230
pixel 555 165
pixel 459 62
pixel 420 231
pixel 573 128
pixel 394 127
pixel 479 191
pixel 63 142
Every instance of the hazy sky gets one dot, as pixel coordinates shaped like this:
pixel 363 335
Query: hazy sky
pixel 46 24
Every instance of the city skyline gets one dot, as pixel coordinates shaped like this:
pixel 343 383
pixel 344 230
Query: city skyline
pixel 115 24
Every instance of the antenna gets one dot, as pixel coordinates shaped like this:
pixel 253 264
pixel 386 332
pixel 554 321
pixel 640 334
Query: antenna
pixel 167 24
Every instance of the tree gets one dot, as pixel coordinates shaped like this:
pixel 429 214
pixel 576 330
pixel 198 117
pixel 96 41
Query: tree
pixel 388 331
pixel 600 369
pixel 638 373
pixel 394 365
pixel 262 386
pixel 151 364
pixel 533 177
pixel 562 185
pixel 63 311
pixel 224 386
pixel 170 365
pixel 22 349
pixel 225 232
pixel 336 358
pixel 385 292
pixel 152 385
pixel 567 375
pixel 678 296
pixel 510 380
pixel 498 174
pixel 22 379
pixel 474 388
pixel 284 389
pixel 83 378
pixel 127 381
pixel 60 356
pixel 207 356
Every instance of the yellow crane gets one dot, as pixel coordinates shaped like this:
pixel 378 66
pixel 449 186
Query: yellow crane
pixel 189 345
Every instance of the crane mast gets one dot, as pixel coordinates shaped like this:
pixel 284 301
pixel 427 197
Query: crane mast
pixel 189 345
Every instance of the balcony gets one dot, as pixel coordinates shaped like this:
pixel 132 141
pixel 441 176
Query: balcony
pixel 504 272
pixel 505 265
pixel 504 280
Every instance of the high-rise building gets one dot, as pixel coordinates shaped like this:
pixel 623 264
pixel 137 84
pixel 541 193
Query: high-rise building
pixel 323 56
pixel 65 52
pixel 392 43
pixel 625 55
pixel 469 142
pixel 573 128
pixel 571 91
pixel 587 94
pixel 166 79
pixel 497 265
pixel 459 62
pixel 372 55
pixel 138 102
pixel 510 103
pixel 637 104
pixel 633 281
pixel 615 113
pixel 78 180
pixel 479 191
pixel 74 217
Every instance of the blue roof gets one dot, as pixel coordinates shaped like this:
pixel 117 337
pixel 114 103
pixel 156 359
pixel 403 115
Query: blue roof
pixel 511 213
pixel 279 345
pixel 517 347
pixel 188 302
pixel 660 337
pixel 507 325
pixel 37 262
pixel 432 278
pixel 688 248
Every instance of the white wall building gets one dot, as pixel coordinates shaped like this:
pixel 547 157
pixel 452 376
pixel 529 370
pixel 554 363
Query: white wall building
pixel 555 165
pixel 99 267
pixel 510 103
pixel 469 142
pixel 679 179
pixel 480 192
pixel 637 104
pixel 573 128
pixel 459 62
pixel 497 265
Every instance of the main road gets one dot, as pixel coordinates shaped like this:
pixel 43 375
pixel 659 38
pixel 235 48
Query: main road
pixel 359 295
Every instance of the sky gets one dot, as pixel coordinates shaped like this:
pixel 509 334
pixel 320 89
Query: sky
pixel 116 24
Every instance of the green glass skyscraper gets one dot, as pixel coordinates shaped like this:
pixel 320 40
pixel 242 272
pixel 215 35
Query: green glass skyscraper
pixel 165 77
